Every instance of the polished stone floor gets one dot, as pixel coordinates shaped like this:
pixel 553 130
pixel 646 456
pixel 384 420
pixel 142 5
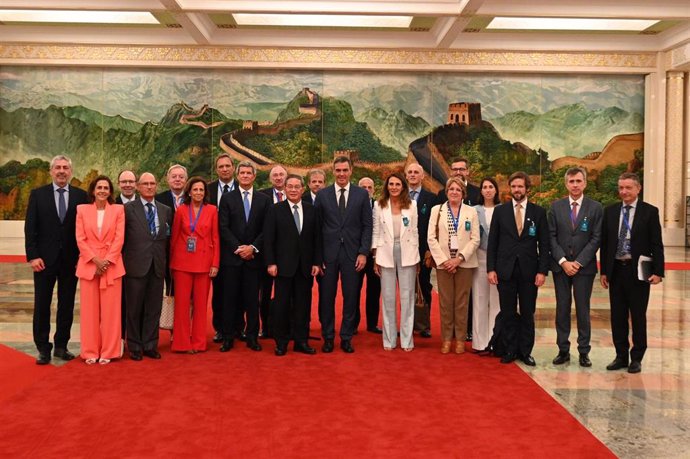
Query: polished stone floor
pixel 637 416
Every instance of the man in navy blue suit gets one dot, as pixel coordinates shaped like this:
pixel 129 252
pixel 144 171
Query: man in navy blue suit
pixel 346 221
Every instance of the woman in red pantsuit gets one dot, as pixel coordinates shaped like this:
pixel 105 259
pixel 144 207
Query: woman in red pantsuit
pixel 100 234
pixel 194 260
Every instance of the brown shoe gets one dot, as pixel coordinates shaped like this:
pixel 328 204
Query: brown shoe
pixel 459 347
pixel 445 347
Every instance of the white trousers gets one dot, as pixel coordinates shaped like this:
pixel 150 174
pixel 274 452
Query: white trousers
pixel 405 277
pixel 485 305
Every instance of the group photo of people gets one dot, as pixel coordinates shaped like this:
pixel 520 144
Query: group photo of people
pixel 249 257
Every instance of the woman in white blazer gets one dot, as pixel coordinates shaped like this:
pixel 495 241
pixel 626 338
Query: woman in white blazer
pixel 395 244
pixel 453 240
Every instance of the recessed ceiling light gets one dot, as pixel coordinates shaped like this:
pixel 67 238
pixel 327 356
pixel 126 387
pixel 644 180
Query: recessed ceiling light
pixel 322 20
pixel 78 17
pixel 514 23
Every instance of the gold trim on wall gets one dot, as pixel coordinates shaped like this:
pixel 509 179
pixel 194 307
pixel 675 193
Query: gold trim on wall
pixel 384 59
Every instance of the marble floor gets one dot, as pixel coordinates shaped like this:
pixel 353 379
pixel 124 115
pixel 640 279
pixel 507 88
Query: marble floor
pixel 644 415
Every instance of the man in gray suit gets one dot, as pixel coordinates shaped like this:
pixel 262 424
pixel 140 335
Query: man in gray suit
pixel 575 230
pixel 147 230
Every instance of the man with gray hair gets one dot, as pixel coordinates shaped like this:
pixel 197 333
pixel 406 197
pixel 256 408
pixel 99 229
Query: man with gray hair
pixel 316 179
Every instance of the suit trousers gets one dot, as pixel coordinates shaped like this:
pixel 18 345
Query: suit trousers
pixel 518 328
pixel 422 316
pixel 344 269
pixel 217 302
pixel 291 309
pixel 44 283
pixel 190 331
pixel 453 293
pixel 405 278
pixel 629 298
pixel 240 294
pixel 265 302
pixel 144 301
pixel 100 321
pixel 373 295
pixel 485 305
pixel 567 287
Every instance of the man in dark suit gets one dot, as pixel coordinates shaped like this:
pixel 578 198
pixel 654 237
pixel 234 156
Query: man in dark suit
pixel 145 254
pixel 575 231
pixel 414 173
pixel 631 230
pixel 276 193
pixel 127 182
pixel 292 251
pixel 373 292
pixel 241 219
pixel 316 180
pixel 346 221
pixel 518 261
pixel 225 169
pixel 51 250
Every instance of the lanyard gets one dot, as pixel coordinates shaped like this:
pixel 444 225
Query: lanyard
pixel 192 223
pixel 454 218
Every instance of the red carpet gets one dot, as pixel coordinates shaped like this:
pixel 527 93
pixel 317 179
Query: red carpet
pixel 245 404
pixel 17 371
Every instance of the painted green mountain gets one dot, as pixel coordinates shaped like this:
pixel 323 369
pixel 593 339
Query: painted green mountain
pixel 94 118
pixel 569 129
pixel 396 129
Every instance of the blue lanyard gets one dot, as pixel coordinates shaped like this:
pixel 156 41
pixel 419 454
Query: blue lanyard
pixel 454 218
pixel 192 223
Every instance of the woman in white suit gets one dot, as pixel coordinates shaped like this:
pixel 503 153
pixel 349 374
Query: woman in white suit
pixel 453 240
pixel 395 244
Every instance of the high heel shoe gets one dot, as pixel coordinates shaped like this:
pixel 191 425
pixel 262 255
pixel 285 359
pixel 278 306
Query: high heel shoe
pixel 104 361
pixel 445 347
pixel 408 349
pixel 90 361
pixel 459 347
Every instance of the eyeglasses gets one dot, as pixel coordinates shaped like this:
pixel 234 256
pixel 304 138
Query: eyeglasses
pixel 293 187
pixel 459 169
pixel 127 181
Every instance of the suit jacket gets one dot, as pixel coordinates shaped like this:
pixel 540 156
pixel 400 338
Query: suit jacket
pixel 269 192
pixel 483 227
pixel 235 231
pixel 353 231
pixel 472 198
pixel 213 191
pixel 468 241
pixel 579 243
pixel 645 237
pixel 207 252
pixel 506 247
pixel 290 250
pixel 166 198
pixel 383 239
pixel 106 245
pixel 306 197
pixel 425 201
pixel 44 235
pixel 118 200
pixel 141 248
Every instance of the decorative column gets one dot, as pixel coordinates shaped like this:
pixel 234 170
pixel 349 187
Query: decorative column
pixel 674 199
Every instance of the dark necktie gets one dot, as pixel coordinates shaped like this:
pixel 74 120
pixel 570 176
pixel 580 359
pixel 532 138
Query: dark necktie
pixel 621 249
pixel 62 207
pixel 279 195
pixel 413 195
pixel 226 188
pixel 295 215
pixel 573 214
pixel 341 202
pixel 151 218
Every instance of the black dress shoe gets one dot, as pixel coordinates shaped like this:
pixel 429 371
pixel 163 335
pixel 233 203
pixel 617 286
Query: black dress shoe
pixel 529 361
pixel 468 338
pixel 562 358
pixel 281 351
pixel 346 346
pixel 242 336
pixel 617 364
pixel 253 344
pixel 135 355
pixel 508 358
pixel 635 367
pixel 228 343
pixel 425 334
pixel 327 347
pixel 218 337
pixel 63 354
pixel 304 348
pixel 152 354
pixel 376 330
pixel 584 361
pixel 43 358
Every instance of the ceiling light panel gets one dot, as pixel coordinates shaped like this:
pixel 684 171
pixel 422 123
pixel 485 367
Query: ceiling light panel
pixel 78 17
pixel 519 23
pixel 322 20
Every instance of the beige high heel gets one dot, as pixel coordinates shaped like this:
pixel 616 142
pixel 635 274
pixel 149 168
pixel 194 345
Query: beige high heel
pixel 445 347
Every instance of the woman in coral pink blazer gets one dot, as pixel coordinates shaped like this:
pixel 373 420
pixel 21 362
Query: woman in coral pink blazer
pixel 194 260
pixel 100 235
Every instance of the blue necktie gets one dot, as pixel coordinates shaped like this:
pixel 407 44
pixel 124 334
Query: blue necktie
pixel 413 195
pixel 246 206
pixel 621 249
pixel 295 215
pixel 151 218
pixel 62 208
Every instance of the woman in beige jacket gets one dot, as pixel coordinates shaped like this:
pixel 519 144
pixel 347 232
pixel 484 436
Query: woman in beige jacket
pixel 453 240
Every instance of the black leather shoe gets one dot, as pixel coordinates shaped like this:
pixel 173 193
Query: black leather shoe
pixel 468 338
pixel 218 338
pixel 529 361
pixel 63 354
pixel 584 361
pixel 280 351
pixel 346 346
pixel 327 347
pixel 43 358
pixel 242 337
pixel 135 355
pixel 617 364
pixel 152 354
pixel 508 358
pixel 376 330
pixel 304 348
pixel 227 345
pixel 425 334
pixel 253 344
pixel 635 367
pixel 561 358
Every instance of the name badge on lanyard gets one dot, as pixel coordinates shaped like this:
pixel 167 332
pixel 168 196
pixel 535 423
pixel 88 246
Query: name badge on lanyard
pixel 191 240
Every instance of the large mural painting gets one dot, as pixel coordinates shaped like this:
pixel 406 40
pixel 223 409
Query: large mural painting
pixel 110 119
